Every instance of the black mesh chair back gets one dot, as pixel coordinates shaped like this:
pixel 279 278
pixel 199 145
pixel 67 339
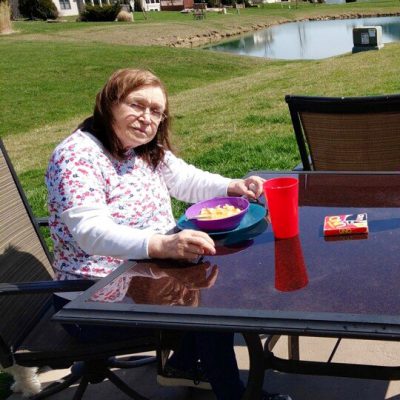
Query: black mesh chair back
pixel 347 133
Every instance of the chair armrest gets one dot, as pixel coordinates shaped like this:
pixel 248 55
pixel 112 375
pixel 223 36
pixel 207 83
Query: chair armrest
pixel 42 221
pixel 77 285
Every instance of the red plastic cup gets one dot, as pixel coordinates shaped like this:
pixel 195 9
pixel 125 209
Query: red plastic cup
pixel 290 268
pixel 282 196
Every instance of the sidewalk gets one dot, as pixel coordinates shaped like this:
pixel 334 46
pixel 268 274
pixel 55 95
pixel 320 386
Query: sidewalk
pixel 300 387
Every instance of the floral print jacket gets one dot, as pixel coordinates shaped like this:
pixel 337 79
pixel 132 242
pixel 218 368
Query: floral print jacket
pixel 103 210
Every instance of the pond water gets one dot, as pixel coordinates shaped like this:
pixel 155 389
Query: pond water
pixel 308 39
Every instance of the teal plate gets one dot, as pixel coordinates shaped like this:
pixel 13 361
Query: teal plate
pixel 254 215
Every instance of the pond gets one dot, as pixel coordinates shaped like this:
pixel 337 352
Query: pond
pixel 308 39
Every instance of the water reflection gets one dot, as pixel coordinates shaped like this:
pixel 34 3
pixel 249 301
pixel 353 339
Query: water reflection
pixel 308 39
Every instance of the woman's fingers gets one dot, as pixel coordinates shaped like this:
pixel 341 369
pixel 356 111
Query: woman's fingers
pixel 213 276
pixel 255 184
pixel 251 187
pixel 199 243
pixel 187 244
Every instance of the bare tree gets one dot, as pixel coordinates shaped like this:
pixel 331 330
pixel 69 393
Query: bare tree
pixel 143 6
pixel 5 17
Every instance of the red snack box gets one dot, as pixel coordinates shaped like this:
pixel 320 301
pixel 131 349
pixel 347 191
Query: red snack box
pixel 345 224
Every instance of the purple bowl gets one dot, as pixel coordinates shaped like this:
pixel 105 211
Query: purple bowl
pixel 222 224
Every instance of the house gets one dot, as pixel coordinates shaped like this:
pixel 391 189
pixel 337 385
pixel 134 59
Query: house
pixel 151 5
pixel 176 5
pixel 67 7
pixel 72 7
pixel 256 2
pixel 64 7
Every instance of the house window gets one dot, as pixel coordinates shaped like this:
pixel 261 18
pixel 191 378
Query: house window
pixel 65 5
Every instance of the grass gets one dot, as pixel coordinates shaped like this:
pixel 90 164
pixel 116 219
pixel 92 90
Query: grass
pixel 229 112
pixel 76 71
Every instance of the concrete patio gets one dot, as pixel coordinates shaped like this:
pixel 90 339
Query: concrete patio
pixel 300 387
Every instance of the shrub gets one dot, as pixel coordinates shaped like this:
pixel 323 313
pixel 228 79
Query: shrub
pixel 5 17
pixel 38 9
pixel 47 9
pixel 97 13
pixel 214 3
pixel 124 16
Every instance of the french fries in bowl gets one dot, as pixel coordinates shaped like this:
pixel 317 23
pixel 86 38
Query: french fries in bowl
pixel 218 214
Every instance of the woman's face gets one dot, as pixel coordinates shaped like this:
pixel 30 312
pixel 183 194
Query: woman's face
pixel 136 119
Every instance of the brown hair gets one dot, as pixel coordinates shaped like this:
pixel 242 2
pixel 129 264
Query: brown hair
pixel 120 84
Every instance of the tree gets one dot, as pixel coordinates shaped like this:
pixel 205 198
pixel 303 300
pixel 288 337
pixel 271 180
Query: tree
pixel 5 17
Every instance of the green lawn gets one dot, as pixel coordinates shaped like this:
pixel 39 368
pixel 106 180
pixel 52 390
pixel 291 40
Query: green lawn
pixel 229 111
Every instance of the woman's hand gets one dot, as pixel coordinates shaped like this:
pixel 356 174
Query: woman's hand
pixel 187 244
pixel 251 187
pixel 199 276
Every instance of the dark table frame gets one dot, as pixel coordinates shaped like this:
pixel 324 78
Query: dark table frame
pixel 249 321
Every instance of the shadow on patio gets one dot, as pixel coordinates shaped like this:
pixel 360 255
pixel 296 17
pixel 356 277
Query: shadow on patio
pixel 300 387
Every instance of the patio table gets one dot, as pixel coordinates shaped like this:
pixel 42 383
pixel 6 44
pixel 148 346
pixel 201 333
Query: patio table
pixel 310 285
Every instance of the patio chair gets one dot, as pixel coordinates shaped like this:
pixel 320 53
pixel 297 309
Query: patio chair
pixel 199 10
pixel 347 133
pixel 28 337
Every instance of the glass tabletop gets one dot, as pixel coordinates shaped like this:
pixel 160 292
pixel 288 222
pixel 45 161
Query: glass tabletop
pixel 346 284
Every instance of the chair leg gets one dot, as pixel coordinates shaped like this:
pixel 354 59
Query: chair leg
pixel 294 347
pixel 81 388
pixel 162 357
pixel 271 341
pixel 257 367
pixel 131 362
pixel 334 350
pixel 120 384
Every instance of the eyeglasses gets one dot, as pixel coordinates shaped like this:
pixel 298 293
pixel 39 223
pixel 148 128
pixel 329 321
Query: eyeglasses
pixel 140 109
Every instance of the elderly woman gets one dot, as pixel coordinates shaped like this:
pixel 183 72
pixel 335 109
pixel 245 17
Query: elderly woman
pixel 109 186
